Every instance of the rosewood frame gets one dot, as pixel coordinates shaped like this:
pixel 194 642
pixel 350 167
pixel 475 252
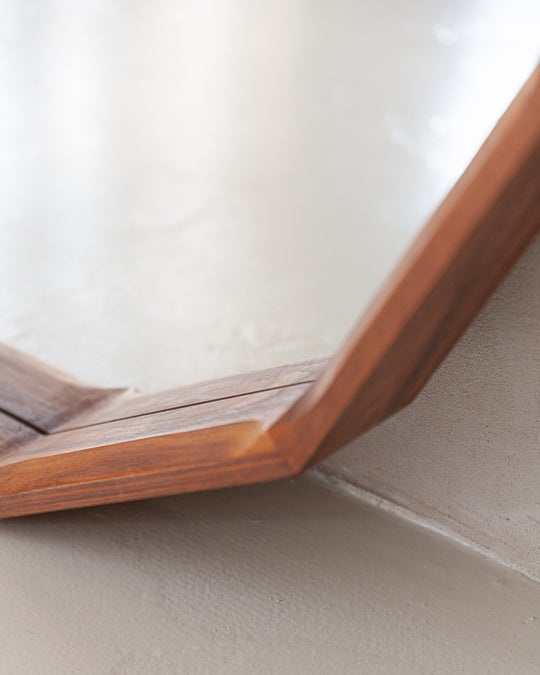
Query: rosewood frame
pixel 64 444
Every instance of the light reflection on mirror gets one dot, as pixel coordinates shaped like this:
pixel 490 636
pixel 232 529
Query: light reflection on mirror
pixel 192 189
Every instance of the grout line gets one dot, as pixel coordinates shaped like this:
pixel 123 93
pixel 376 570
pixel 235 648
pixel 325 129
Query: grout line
pixel 389 506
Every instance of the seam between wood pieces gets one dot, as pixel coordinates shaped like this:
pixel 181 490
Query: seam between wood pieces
pixel 73 425
pixel 25 423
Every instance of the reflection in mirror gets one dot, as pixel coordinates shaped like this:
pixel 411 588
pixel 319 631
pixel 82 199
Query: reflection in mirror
pixel 196 189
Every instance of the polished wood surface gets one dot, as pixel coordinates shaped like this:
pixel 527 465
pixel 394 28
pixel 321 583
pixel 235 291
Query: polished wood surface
pixel 43 396
pixel 463 253
pixel 138 445
pixel 64 444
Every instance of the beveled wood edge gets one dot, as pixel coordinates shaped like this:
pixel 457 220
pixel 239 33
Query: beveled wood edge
pixel 188 461
pixel 463 253
pixel 204 445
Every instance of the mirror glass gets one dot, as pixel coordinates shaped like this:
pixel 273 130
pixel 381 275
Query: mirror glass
pixel 199 188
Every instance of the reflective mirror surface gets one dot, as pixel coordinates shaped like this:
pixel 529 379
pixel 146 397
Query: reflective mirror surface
pixel 193 189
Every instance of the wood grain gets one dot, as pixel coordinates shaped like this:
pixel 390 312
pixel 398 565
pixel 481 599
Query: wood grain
pixel 64 444
pixel 14 435
pixel 40 395
pixel 196 445
pixel 463 253
pixel 133 404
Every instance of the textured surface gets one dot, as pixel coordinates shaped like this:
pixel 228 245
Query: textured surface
pixel 467 452
pixel 270 579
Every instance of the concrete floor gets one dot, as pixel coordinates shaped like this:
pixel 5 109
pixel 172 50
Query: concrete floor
pixel 282 578
pixel 192 189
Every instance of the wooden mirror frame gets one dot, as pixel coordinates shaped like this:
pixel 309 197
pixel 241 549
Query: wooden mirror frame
pixel 64 444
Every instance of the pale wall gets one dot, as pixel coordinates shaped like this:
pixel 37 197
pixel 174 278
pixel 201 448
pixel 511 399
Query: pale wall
pixel 467 452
